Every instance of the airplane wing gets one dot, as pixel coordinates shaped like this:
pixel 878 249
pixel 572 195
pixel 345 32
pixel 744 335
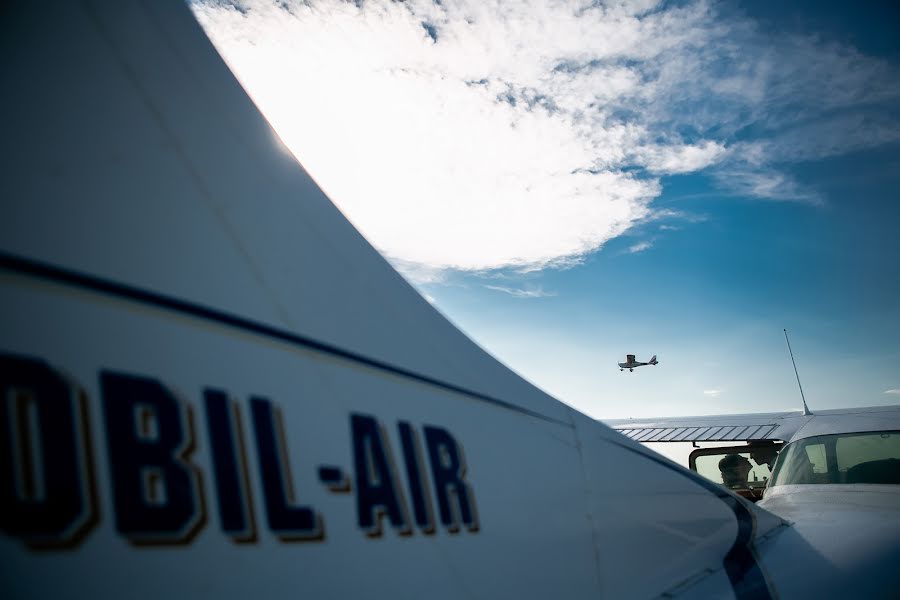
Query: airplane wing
pixel 720 428
pixel 747 427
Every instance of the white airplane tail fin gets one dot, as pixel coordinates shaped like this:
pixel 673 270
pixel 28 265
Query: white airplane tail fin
pixel 176 288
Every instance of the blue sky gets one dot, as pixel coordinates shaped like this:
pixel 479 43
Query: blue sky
pixel 570 182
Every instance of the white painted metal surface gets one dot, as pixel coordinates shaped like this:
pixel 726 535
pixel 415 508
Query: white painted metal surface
pixel 880 418
pixel 844 541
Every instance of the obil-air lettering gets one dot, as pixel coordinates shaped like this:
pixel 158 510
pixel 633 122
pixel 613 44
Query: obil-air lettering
pixel 148 451
pixel 158 492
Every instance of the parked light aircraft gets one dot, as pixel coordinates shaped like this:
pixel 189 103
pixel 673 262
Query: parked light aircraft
pixel 836 477
pixel 630 363
pixel 213 386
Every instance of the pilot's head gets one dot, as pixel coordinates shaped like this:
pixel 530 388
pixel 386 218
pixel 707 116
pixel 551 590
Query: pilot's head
pixel 735 469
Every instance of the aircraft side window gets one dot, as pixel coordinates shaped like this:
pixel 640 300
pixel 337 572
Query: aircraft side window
pixel 741 470
pixel 873 458
pixel 855 450
pixel 816 455
pixel 794 466
pixel 707 466
pixel 870 457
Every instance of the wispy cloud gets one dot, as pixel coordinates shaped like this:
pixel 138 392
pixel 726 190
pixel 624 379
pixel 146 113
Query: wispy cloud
pixel 712 393
pixel 668 213
pixel 892 391
pixel 639 247
pixel 477 136
pixel 765 182
pixel 536 292
pixel 687 158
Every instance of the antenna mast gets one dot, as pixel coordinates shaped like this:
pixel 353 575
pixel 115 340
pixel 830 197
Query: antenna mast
pixel 805 408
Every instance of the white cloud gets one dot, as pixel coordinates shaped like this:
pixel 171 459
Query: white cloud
pixel 477 136
pixel 639 247
pixel 672 159
pixel 893 392
pixel 766 183
pixel 712 393
pixel 536 292
pixel 660 214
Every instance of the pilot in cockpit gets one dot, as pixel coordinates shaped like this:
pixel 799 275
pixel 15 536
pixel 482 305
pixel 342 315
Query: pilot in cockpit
pixel 735 469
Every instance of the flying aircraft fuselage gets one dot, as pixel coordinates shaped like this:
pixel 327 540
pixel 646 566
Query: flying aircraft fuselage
pixel 630 363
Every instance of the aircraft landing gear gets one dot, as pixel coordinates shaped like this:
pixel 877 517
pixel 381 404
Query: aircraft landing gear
pixel 621 369
pixel 632 370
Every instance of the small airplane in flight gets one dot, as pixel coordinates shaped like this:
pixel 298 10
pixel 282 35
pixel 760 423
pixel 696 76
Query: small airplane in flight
pixel 630 363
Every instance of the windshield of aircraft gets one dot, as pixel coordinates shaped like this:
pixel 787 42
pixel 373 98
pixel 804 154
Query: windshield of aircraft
pixel 844 458
pixel 736 470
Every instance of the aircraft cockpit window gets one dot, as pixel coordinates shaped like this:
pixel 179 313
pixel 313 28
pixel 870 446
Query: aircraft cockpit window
pixel 815 453
pixel 840 459
pixel 734 470
pixel 744 469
